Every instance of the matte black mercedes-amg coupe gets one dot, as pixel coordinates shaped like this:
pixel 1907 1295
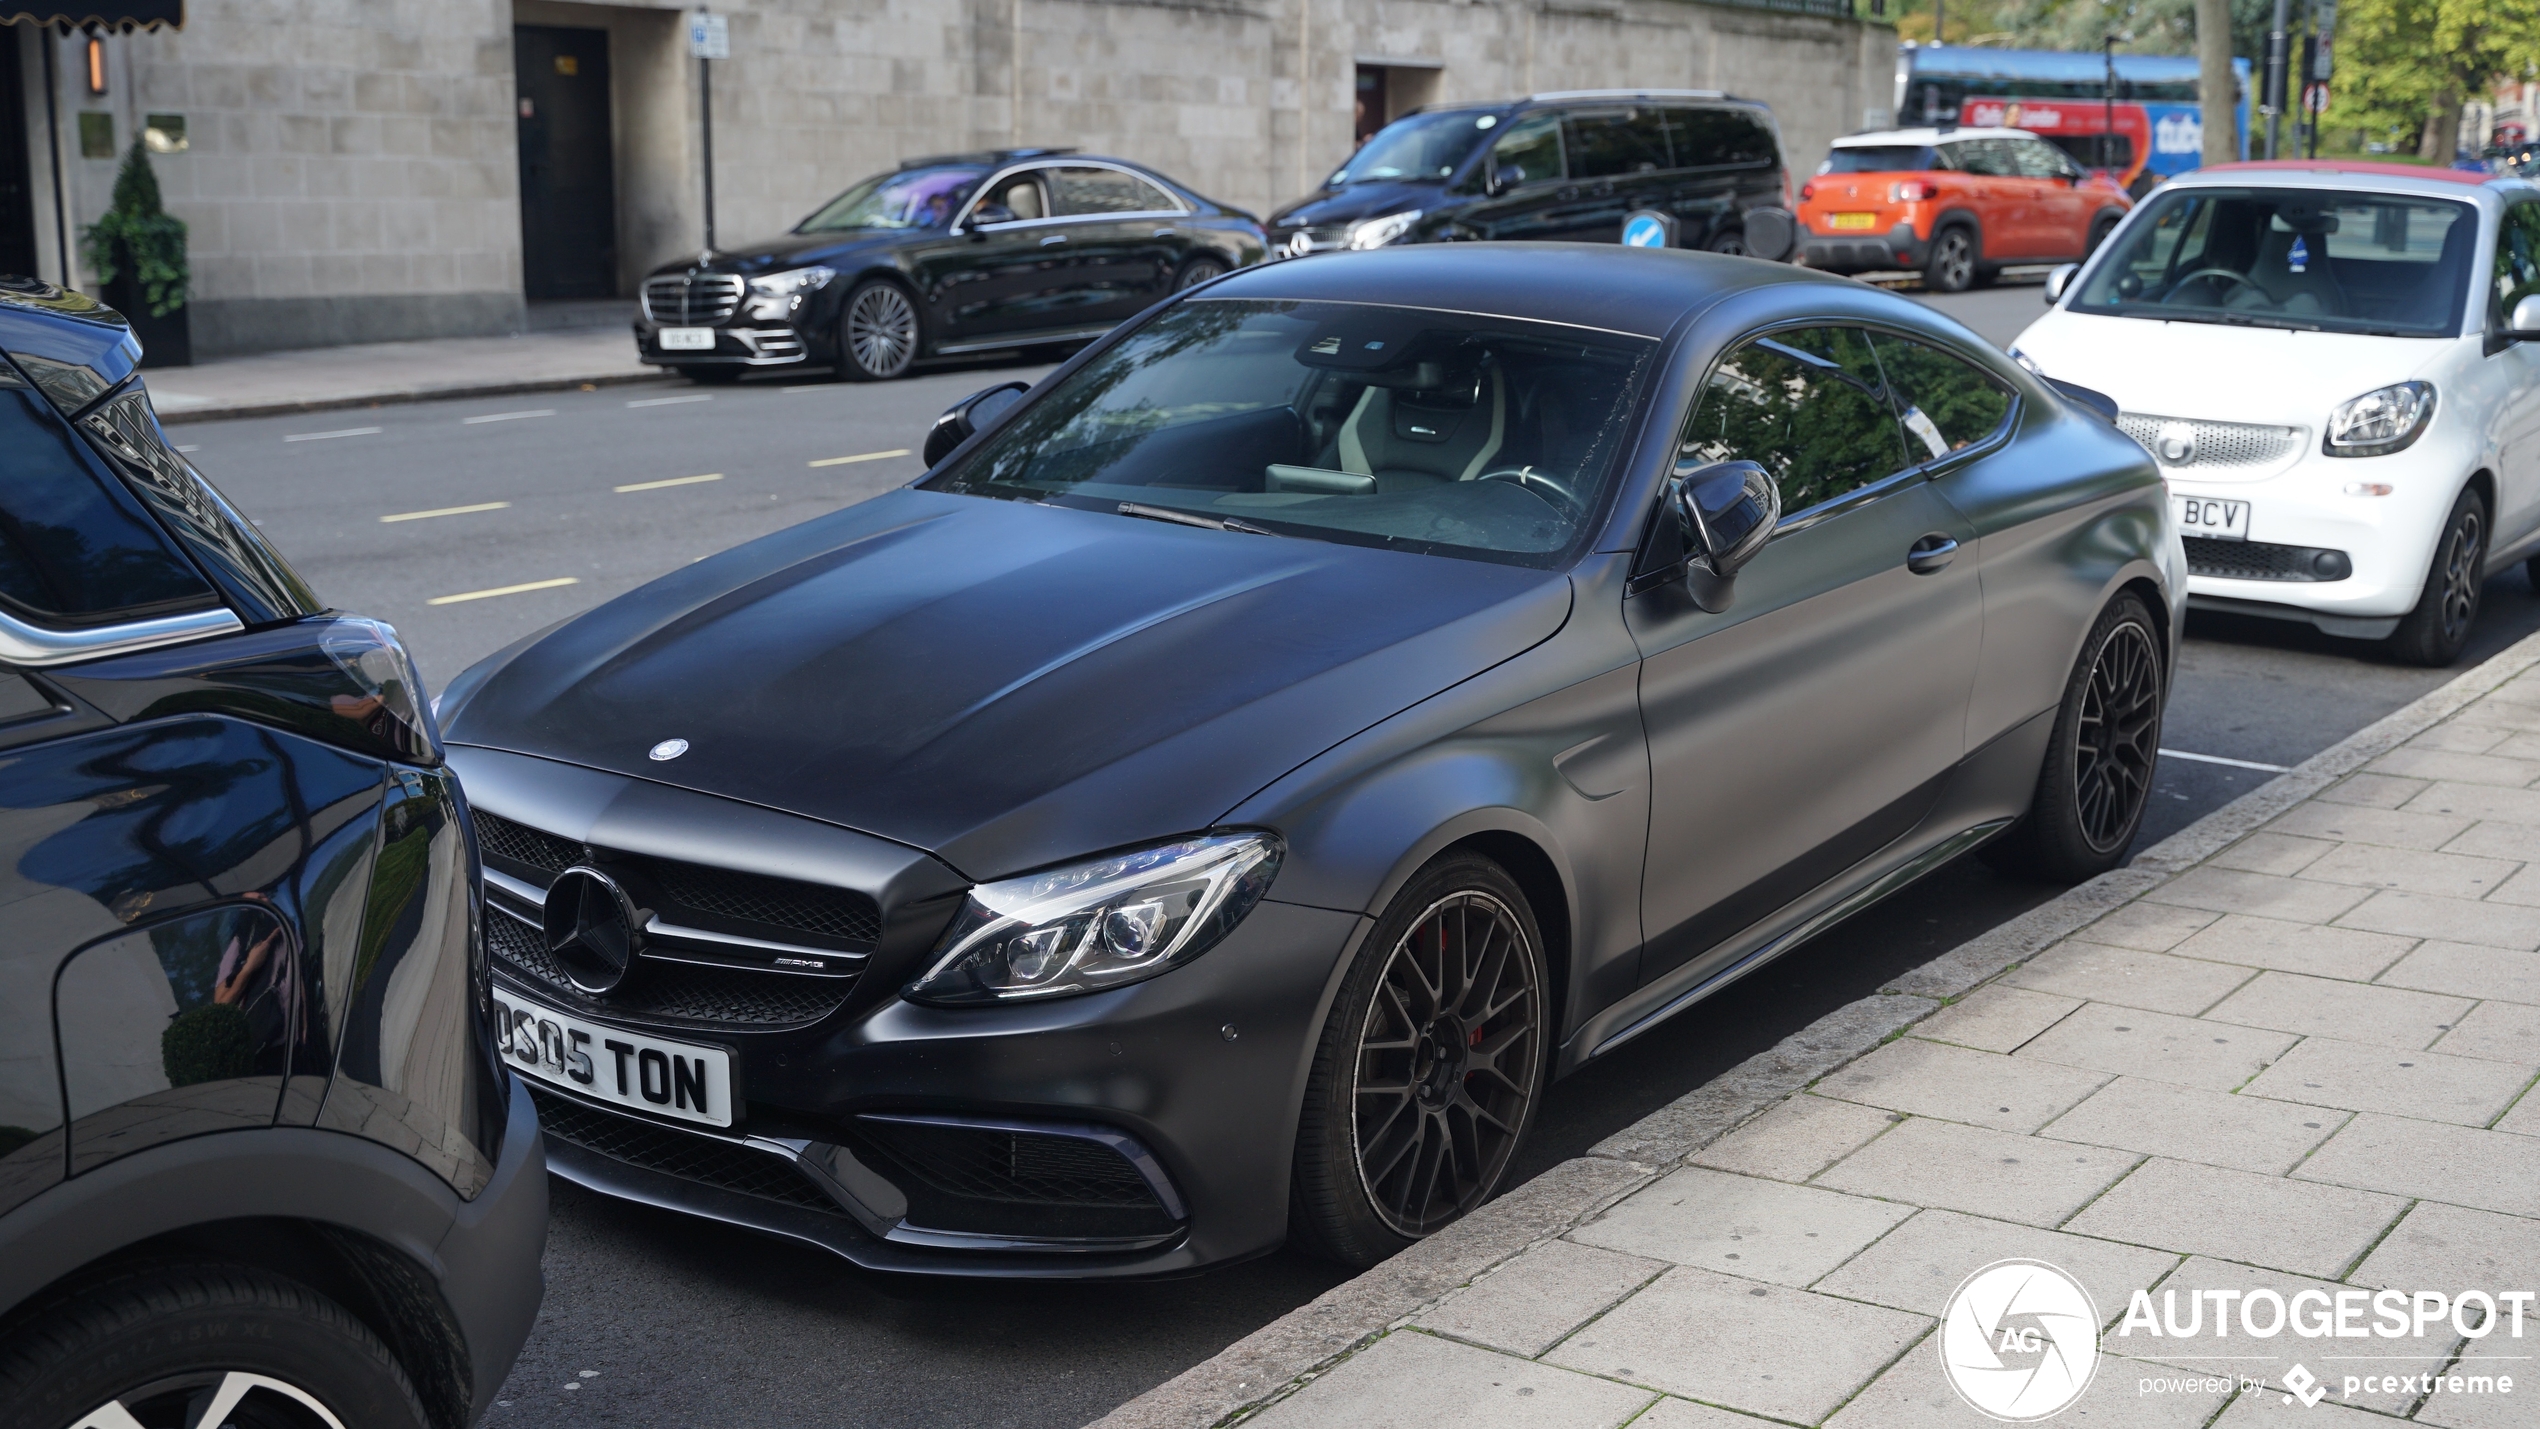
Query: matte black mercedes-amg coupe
pixel 1210 805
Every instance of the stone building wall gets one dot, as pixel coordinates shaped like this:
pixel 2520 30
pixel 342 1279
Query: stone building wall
pixel 352 168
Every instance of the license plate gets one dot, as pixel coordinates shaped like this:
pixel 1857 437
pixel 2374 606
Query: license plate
pixel 1853 220
pixel 687 339
pixel 611 1064
pixel 2211 518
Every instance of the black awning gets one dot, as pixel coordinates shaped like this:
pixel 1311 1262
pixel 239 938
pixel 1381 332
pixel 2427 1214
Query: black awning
pixel 110 14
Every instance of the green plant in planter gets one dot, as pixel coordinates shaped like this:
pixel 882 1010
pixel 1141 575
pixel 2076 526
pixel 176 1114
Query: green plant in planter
pixel 136 228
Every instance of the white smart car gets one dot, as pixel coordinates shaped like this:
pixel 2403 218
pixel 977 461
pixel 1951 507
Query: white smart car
pixel 2334 364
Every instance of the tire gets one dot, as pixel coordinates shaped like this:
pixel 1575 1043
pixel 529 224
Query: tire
pixel 157 1338
pixel 1952 265
pixel 1732 243
pixel 2438 629
pixel 1985 276
pixel 1198 271
pixel 2097 777
pixel 2100 228
pixel 880 332
pixel 1404 1129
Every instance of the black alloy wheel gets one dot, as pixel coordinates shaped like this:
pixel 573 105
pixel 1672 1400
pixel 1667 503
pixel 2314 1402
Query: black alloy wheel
pixel 1429 1068
pixel 2438 629
pixel 878 332
pixel 1732 243
pixel 1198 271
pixel 1952 266
pixel 2100 757
pixel 176 1345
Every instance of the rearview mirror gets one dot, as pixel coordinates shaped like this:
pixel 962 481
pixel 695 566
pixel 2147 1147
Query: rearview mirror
pixel 967 417
pixel 2058 278
pixel 2526 318
pixel 1729 510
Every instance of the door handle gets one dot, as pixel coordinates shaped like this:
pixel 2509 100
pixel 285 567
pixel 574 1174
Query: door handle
pixel 1053 238
pixel 1931 554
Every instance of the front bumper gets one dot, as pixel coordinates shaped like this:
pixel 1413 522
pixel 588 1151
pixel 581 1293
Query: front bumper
pixel 1898 248
pixel 745 344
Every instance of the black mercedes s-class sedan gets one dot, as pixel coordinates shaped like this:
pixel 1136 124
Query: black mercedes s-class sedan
pixel 964 253
pixel 260 1164
pixel 1210 805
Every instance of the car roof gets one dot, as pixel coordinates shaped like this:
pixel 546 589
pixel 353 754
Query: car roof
pixel 2361 176
pixel 1883 138
pixel 2344 167
pixel 1638 292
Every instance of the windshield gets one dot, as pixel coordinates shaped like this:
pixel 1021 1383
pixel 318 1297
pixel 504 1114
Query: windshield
pixel 1421 146
pixel 1880 159
pixel 2297 258
pixel 911 198
pixel 1376 426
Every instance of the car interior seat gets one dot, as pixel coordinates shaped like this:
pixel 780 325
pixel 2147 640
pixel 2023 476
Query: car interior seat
pixel 1406 437
pixel 2292 267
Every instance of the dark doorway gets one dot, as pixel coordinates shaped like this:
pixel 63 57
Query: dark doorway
pixel 17 179
pixel 568 186
pixel 1370 115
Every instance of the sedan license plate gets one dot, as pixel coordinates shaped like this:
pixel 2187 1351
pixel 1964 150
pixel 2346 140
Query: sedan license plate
pixel 1853 220
pixel 650 1074
pixel 687 339
pixel 2210 517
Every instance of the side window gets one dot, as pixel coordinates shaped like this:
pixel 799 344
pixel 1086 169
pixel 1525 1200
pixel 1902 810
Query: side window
pixel 1809 405
pixel 1944 401
pixel 1079 191
pixel 1981 156
pixel 1707 138
pixel 2517 258
pixel 75 548
pixel 1746 140
pixel 2037 159
pixel 1605 143
pixel 1529 151
pixel 1020 196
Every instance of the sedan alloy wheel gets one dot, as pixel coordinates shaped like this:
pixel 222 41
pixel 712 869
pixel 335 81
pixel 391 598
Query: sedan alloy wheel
pixel 879 339
pixel 2118 737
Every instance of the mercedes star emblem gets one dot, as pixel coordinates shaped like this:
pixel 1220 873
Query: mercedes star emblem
pixel 669 749
pixel 590 925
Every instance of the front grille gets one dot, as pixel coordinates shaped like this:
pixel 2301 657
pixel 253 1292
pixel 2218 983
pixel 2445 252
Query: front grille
pixel 985 1164
pixel 2217 444
pixel 671 993
pixel 701 895
pixel 692 299
pixel 707 1160
pixel 2259 561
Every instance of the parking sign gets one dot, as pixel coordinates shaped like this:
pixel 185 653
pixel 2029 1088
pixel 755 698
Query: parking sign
pixel 709 36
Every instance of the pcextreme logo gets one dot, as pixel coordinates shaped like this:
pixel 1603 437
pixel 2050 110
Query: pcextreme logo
pixel 2019 1340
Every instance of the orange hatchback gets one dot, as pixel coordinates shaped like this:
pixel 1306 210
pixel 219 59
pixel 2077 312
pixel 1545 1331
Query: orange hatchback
pixel 1956 203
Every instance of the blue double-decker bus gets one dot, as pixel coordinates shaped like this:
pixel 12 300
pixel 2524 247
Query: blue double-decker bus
pixel 2064 96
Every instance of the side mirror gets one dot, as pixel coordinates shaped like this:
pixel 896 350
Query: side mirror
pixel 2058 278
pixel 2525 322
pixel 1729 510
pixel 1500 179
pixel 964 419
pixel 986 214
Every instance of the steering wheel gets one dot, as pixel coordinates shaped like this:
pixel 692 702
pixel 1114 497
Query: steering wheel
pixel 1550 492
pixel 2226 274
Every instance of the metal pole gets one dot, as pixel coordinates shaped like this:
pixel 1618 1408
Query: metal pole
pixel 2108 107
pixel 1939 21
pixel 705 97
pixel 2273 94
pixel 53 137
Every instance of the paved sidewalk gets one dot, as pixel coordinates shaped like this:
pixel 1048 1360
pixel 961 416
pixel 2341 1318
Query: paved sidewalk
pixel 368 373
pixel 2292 1047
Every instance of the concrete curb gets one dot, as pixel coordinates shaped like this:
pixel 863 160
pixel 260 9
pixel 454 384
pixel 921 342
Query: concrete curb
pixel 1276 1359
pixel 403 395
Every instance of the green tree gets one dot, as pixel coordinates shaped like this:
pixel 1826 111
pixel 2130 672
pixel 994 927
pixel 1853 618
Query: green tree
pixel 2408 65
pixel 137 230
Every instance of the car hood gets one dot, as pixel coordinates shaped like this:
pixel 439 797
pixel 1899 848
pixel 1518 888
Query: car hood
pixel 1004 684
pixel 790 250
pixel 2214 372
pixel 1357 201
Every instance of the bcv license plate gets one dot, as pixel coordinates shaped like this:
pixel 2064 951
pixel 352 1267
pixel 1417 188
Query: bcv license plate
pixel 652 1074
pixel 687 339
pixel 2211 517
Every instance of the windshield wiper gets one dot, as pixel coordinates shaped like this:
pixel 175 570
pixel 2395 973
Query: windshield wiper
pixel 1191 518
pixel 2220 317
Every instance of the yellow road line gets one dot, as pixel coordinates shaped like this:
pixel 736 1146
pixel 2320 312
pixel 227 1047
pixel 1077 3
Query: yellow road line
pixel 447 511
pixel 674 481
pixel 502 590
pixel 866 456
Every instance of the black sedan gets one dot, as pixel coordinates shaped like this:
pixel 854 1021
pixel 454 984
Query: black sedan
pixel 965 253
pixel 1209 805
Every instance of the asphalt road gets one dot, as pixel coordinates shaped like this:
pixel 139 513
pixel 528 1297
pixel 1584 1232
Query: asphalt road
pixel 469 524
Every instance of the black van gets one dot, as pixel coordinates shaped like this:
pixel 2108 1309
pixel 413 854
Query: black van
pixel 259 1163
pixel 1556 167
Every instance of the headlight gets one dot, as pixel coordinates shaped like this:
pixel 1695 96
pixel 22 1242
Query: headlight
pixel 1099 924
pixel 1377 232
pixel 2381 421
pixel 791 281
